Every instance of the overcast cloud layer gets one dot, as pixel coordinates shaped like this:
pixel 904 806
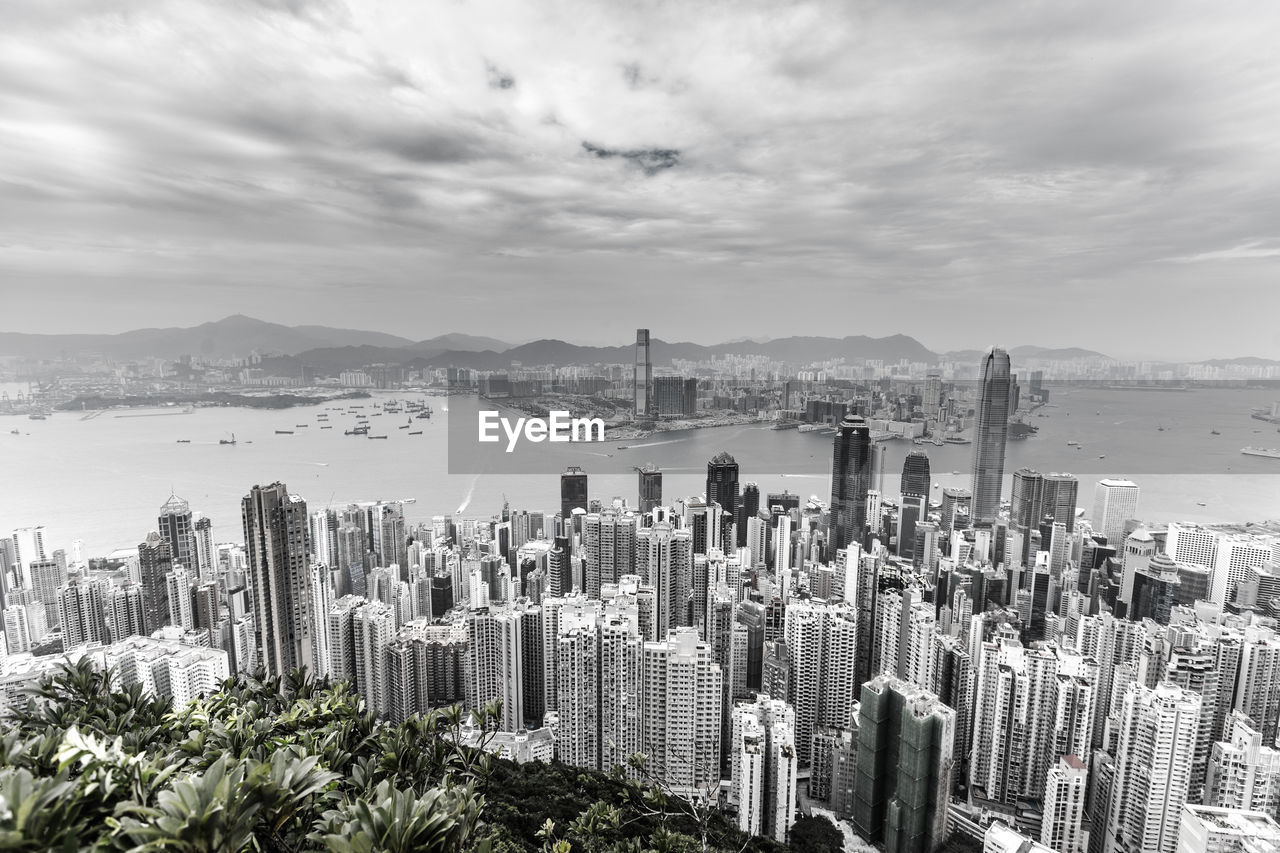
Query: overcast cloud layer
pixel 1103 175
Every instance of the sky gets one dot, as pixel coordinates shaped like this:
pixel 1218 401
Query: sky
pixel 1103 175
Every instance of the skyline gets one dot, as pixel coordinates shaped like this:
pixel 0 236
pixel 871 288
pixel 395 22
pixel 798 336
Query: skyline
pixel 365 166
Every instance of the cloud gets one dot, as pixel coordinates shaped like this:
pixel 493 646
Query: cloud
pixel 650 160
pixel 1251 251
pixel 847 153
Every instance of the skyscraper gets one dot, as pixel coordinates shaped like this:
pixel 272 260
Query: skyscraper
pixel 155 561
pixel 914 505
pixel 176 529
pixel 1157 747
pixel 722 487
pixel 1060 828
pixel 681 696
pixel 990 433
pixel 643 377
pixel 650 487
pixel 573 492
pixel 763 775
pixel 850 481
pixel 1114 503
pixel 905 743
pixel 276 545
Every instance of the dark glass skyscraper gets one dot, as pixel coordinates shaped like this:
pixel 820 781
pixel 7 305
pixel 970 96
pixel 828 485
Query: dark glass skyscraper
pixel 990 433
pixel 748 508
pixel 573 491
pixel 722 488
pixel 914 505
pixel 650 487
pixel 915 473
pixel 850 481
pixel 643 376
pixel 277 547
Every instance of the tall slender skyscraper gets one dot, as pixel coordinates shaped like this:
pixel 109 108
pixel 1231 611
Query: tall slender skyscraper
pixel 643 376
pixel 276 544
pixel 990 433
pixel 850 481
pixel 1114 503
pixel 914 506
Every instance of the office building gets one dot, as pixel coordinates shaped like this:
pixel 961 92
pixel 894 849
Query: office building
pixel 642 378
pixel 990 433
pixel 175 527
pixel 650 479
pixel 851 472
pixel 1114 503
pixel 573 492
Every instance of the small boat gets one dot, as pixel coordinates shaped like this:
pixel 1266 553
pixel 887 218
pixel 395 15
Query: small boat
pixel 300 426
pixel 953 473
pixel 405 426
pixel 1073 444
pixel 1201 503
pixel 623 446
pixel 14 432
pixel 1160 428
pixel 184 441
pixel 231 440
pixel 375 436
pixel 326 427
pixel 36 416
pixel 360 430
pixel 284 432
pixel 416 432
pixel 1102 457
pixel 1214 432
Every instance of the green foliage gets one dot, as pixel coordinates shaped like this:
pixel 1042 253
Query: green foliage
pixel 815 835
pixel 283 765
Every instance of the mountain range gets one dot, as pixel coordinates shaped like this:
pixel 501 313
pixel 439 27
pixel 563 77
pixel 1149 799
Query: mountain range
pixel 326 349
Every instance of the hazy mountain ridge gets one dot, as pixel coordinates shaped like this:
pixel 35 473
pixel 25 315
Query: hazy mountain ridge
pixel 329 349
pixel 232 336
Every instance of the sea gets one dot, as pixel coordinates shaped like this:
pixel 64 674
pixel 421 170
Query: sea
pixel 101 478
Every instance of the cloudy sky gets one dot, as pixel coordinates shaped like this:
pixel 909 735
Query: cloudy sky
pixel 1103 175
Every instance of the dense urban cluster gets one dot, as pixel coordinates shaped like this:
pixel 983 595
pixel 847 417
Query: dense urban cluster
pixel 1013 669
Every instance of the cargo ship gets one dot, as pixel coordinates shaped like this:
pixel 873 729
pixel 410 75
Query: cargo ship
pixel 1269 452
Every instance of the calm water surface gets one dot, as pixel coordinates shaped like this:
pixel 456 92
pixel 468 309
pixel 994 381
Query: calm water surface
pixel 102 479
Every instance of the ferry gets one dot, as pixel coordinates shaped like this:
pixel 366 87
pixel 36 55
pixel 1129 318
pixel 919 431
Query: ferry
pixel 1073 444
pixel 416 432
pixel 326 427
pixel 284 432
pixel 1269 452
pixel 375 436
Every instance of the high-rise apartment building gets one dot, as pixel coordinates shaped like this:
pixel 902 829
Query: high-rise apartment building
pixel 990 433
pixel 680 730
pixel 1061 828
pixel 763 774
pixel 277 548
pixel 1158 728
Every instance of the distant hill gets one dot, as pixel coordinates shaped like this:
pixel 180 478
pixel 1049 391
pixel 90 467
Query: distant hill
pixel 236 335
pixel 1245 361
pixel 1049 353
